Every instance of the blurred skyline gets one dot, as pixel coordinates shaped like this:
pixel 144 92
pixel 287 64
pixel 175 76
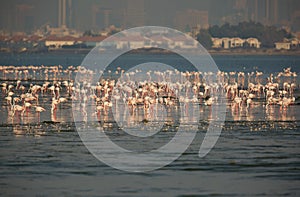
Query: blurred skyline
pixel 29 15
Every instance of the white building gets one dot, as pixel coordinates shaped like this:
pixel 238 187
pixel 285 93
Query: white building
pixel 253 42
pixel 227 43
pixel 236 42
pixel 283 45
pixel 58 42
pixel 294 42
pixel 217 42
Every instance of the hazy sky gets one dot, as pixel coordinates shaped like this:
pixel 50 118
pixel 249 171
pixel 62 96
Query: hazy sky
pixel 25 15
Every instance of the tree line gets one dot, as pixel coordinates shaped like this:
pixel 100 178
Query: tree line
pixel 267 35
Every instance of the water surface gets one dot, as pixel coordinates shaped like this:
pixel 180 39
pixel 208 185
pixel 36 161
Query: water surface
pixel 257 153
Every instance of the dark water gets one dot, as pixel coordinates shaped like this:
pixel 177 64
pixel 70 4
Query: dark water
pixel 257 153
pixel 246 63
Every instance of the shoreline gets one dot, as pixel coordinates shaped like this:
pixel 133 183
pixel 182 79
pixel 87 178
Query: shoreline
pixel 228 52
pixel 253 53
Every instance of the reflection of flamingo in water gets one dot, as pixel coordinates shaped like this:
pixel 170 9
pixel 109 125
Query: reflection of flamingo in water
pixel 284 102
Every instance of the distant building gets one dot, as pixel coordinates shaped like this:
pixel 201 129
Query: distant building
pixel 294 42
pixel 283 45
pixel 253 42
pixel 64 13
pixel 182 42
pixel 62 16
pixel 141 41
pixel 236 42
pixel 288 44
pixel 62 31
pixel 24 19
pixel 227 43
pixel 101 17
pixel 217 42
pixel 265 11
pixel 191 18
pixel 58 42
pixel 134 14
pixel 136 42
pixel 158 41
pixel 90 41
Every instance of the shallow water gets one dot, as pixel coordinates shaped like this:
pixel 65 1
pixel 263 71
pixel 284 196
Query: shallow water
pixel 257 154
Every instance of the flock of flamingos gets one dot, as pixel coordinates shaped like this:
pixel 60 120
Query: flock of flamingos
pixel 24 86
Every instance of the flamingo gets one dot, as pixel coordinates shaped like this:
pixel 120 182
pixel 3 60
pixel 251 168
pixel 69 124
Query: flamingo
pixel 26 106
pixel 39 109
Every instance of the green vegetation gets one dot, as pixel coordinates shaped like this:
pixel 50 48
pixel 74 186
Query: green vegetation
pixel 267 35
pixel 204 38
